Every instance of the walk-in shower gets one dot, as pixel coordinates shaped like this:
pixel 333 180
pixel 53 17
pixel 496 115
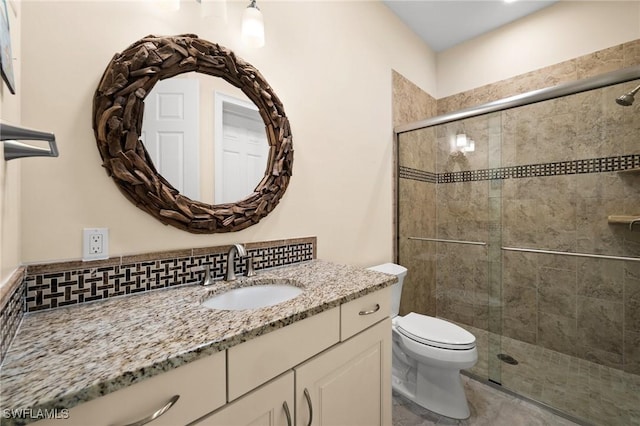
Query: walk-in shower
pixel 525 238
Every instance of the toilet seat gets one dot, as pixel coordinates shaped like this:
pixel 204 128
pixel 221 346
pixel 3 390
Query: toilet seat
pixel 434 332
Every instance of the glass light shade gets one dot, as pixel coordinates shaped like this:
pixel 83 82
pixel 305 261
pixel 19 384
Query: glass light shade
pixel 252 27
pixel 214 8
pixel 461 140
pixel 169 5
pixel 471 146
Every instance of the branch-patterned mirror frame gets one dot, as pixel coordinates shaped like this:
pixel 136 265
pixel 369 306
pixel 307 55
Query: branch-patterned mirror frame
pixel 118 108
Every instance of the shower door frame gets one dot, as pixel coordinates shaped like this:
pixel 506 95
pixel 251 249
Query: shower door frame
pixel 565 89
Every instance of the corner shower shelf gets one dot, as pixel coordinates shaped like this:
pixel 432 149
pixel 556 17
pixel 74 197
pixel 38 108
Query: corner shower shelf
pixel 631 221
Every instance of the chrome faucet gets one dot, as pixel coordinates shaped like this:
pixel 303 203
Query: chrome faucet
pixel 207 277
pixel 230 274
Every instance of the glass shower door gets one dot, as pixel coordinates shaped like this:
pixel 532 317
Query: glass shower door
pixel 449 213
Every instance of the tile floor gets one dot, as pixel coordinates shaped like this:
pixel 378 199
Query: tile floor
pixel 585 390
pixel 594 392
pixel 489 406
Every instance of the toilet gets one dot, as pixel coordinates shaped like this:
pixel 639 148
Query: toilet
pixel 428 354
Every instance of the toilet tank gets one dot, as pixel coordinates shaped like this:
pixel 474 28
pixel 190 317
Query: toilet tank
pixel 396 289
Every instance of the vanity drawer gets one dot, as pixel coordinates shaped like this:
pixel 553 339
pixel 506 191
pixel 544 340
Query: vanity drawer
pixel 361 313
pixel 200 384
pixel 255 362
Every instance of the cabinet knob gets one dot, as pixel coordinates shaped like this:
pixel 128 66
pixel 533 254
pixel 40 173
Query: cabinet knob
pixel 156 414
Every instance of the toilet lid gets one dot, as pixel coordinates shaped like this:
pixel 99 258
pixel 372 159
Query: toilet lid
pixel 435 332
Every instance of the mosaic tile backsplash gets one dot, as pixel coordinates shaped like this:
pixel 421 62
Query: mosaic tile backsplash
pixel 11 311
pixel 49 290
pixel 53 285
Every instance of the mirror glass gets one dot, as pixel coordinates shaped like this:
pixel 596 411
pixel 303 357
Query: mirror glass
pixel 205 137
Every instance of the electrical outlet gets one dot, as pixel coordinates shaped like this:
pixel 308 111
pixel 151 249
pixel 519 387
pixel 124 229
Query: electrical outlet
pixel 95 244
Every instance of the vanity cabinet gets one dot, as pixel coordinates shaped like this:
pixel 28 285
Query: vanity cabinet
pixel 333 368
pixel 199 385
pixel 341 359
pixel 259 360
pixel 349 384
pixel 269 405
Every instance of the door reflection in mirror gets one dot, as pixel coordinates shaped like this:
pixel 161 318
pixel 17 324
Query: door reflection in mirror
pixel 205 137
pixel 170 132
pixel 241 148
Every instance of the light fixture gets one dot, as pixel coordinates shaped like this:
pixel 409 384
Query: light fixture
pixel 168 5
pixel 461 140
pixel 213 8
pixel 253 26
pixel 462 143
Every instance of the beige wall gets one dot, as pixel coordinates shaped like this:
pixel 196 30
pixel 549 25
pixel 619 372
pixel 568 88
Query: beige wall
pixel 555 34
pixel 328 62
pixel 10 171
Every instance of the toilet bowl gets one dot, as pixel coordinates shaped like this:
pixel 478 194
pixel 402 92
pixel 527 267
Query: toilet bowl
pixel 428 354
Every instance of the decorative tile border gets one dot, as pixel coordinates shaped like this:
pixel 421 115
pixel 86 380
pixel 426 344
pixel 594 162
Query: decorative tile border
pixel 416 174
pixel 591 165
pixel 11 309
pixel 63 284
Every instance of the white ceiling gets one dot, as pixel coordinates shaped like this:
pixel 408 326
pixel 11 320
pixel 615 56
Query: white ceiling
pixel 443 24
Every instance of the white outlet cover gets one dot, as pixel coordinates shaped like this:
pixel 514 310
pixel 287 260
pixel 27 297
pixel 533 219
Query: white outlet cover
pixel 89 250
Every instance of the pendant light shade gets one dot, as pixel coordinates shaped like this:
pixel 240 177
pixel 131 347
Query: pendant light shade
pixel 169 5
pixel 214 8
pixel 253 26
pixel 461 140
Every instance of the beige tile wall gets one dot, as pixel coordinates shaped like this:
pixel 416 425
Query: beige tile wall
pixel 589 308
pixel 417 203
pixel 410 102
pixel 611 59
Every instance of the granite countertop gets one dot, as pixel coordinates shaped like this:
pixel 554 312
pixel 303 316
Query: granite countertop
pixel 66 356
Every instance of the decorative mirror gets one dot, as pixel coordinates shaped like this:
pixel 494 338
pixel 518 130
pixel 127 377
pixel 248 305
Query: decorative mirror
pixel 118 110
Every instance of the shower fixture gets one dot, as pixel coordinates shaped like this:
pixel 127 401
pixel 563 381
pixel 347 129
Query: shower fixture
pixel 628 98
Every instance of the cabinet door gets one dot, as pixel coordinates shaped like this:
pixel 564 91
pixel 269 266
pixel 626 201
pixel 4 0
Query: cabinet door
pixel 349 384
pixel 269 405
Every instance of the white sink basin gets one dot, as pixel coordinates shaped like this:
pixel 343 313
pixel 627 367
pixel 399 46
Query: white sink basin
pixel 253 297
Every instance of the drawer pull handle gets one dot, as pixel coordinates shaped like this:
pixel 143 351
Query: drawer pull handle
pixel 308 398
pixel 287 413
pixel 157 414
pixel 372 311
